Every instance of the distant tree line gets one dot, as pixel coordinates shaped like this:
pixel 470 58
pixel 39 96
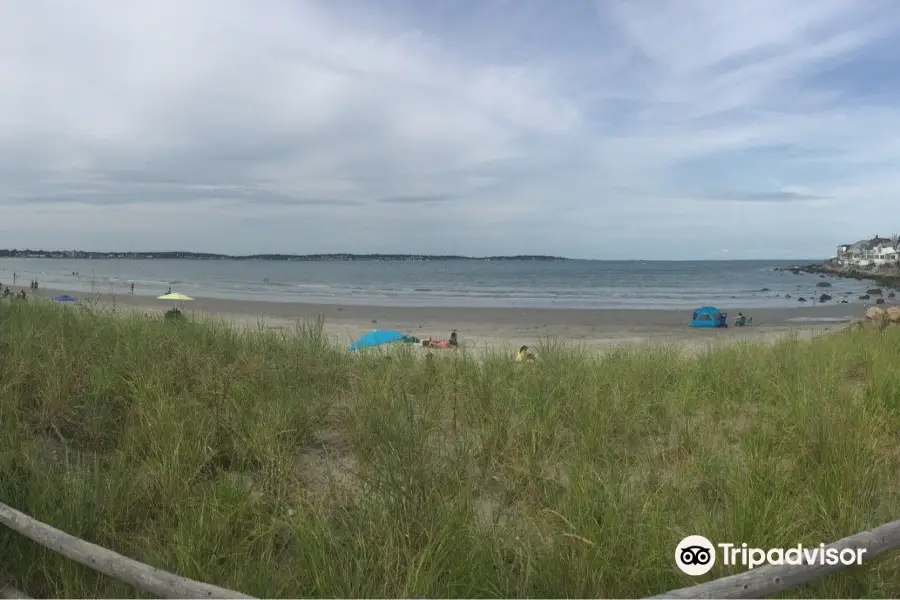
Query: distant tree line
pixel 81 254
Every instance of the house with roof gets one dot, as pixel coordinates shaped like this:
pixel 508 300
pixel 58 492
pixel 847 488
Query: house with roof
pixel 876 252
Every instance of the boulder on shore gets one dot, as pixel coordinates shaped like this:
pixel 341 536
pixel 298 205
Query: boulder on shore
pixel 824 298
pixel 879 301
pixel 874 291
pixel 823 284
pixel 874 313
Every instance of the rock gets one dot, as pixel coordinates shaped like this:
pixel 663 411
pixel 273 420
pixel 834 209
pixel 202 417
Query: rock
pixel 891 294
pixel 879 301
pixel 875 314
pixel 823 284
pixel 864 297
pixel 843 302
pixel 801 299
pixel 822 276
pixel 874 291
pixel 787 295
pixel 824 298
pixel 765 290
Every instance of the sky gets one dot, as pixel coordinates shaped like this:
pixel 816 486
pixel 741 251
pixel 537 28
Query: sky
pixel 614 129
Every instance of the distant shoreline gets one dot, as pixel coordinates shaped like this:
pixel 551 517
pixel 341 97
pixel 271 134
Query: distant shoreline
pixel 85 255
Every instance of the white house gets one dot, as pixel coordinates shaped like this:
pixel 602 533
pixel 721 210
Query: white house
pixel 876 252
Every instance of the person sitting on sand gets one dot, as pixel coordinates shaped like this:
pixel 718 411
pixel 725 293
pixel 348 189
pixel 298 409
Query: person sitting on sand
pixel 454 340
pixel 523 355
pixel 22 294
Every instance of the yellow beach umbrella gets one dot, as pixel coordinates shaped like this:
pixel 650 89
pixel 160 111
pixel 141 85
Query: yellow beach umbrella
pixel 177 297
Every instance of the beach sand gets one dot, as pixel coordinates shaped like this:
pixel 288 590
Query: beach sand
pixel 481 328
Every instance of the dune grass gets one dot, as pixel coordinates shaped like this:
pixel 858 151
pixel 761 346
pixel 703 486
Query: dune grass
pixel 279 465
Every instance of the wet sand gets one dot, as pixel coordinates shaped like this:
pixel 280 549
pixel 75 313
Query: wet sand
pixel 493 327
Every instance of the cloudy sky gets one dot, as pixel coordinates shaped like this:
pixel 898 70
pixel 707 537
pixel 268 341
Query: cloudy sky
pixel 611 129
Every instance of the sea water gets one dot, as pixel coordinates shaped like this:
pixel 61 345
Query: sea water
pixel 456 283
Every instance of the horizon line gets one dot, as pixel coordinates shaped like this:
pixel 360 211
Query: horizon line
pixel 545 257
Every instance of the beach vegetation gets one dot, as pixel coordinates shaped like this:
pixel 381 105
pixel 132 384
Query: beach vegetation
pixel 278 464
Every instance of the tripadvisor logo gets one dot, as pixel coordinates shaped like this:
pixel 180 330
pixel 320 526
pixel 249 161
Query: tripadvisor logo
pixel 695 555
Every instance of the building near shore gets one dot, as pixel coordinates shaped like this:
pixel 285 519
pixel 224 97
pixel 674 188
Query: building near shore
pixel 876 252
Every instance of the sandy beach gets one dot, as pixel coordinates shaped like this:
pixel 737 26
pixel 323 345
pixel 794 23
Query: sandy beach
pixel 481 328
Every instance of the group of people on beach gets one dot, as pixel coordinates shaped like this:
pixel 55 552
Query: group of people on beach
pixel 523 355
pixel 33 285
pixel 452 342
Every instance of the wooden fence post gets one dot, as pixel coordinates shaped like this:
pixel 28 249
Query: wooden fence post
pixel 144 577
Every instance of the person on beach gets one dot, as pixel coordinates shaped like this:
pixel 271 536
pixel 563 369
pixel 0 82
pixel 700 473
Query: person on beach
pixel 170 290
pixel 132 287
pixel 453 342
pixel 14 277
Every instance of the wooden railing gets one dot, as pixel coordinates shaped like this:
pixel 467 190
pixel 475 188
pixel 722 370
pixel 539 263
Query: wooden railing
pixel 757 583
pixel 144 577
pixel 773 579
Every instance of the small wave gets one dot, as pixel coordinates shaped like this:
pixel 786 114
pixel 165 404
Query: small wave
pixel 821 319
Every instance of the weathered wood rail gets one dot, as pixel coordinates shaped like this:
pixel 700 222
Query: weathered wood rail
pixel 758 583
pixel 143 577
pixel 773 579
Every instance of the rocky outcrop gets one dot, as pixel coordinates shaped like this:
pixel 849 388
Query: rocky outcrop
pixel 887 277
pixel 877 317
pixel 823 284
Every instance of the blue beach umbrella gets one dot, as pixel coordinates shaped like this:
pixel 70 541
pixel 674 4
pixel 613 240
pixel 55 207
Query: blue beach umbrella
pixel 66 298
pixel 379 337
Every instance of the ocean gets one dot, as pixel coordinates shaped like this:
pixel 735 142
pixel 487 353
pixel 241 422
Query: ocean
pixel 515 284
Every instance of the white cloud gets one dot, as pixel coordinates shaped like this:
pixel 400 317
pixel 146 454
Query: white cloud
pixel 644 128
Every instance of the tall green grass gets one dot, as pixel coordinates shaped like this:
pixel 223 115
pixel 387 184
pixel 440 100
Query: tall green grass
pixel 282 466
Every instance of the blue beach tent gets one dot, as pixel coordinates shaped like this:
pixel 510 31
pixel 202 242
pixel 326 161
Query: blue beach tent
pixel 378 337
pixel 709 316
